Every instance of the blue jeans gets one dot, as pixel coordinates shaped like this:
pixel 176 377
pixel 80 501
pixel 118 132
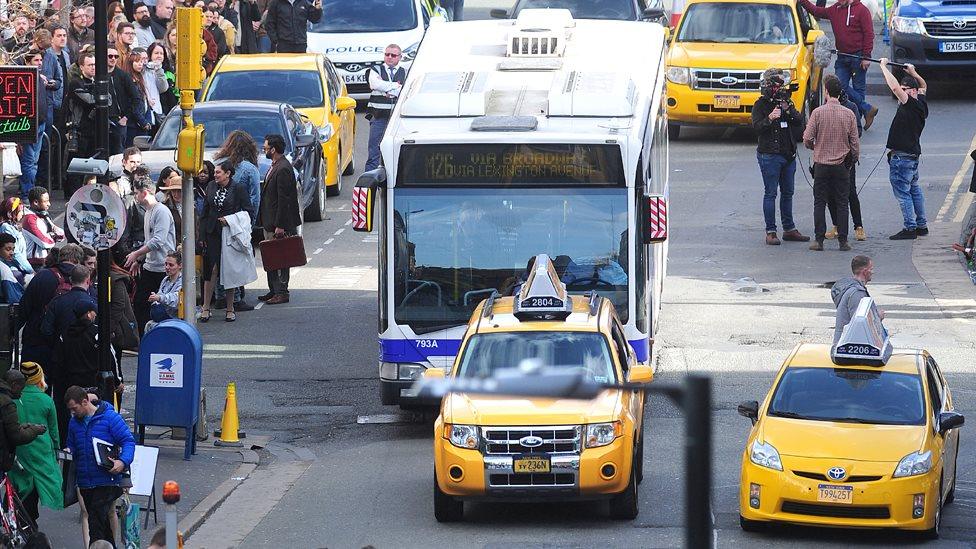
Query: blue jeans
pixel 264 44
pixel 903 173
pixel 28 162
pixel 777 172
pixel 854 79
pixel 377 127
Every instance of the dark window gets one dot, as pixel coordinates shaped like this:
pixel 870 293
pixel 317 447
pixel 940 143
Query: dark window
pixel 620 342
pixel 586 9
pixel 487 353
pixel 343 16
pixel 335 84
pixel 219 124
pixel 738 23
pixel 300 89
pixel 847 395
pixel 935 386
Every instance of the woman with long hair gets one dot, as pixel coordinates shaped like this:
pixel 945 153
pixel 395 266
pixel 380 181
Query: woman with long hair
pixel 242 152
pixel 158 57
pixel 155 83
pixel 142 122
pixel 223 200
pixel 200 182
pixel 11 216
pixel 116 9
pixel 169 44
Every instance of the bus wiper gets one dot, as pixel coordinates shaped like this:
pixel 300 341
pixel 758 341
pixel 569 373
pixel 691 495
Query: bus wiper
pixel 790 415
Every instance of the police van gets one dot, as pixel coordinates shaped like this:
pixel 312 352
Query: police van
pixel 354 33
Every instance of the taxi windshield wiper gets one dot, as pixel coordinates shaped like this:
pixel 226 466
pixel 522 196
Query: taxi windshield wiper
pixel 862 420
pixel 791 415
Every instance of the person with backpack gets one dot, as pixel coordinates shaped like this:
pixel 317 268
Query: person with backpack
pixel 47 284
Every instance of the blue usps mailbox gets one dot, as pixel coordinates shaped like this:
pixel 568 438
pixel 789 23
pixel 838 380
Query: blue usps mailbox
pixel 168 380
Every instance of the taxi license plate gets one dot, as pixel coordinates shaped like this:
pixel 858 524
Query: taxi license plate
pixel 726 101
pixel 835 493
pixel 358 78
pixel 957 47
pixel 531 464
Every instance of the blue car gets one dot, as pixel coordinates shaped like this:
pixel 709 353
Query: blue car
pixel 935 35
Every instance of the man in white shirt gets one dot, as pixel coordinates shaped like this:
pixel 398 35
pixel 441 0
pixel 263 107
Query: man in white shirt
pixel 385 80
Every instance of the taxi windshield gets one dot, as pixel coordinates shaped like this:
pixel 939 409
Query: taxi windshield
pixel 487 353
pixel 454 247
pixel 300 89
pixel 585 9
pixel 738 23
pixel 851 396
pixel 343 16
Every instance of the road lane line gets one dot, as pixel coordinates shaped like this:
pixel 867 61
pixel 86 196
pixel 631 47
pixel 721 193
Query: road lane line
pixel 954 189
pixel 317 251
pixel 337 233
pixel 348 222
pixel 329 241
pixel 259 305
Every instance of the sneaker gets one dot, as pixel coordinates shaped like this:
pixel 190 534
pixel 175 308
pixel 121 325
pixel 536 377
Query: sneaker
pixel 831 233
pixel 795 236
pixel 904 234
pixel 772 239
pixel 844 246
pixel 817 246
pixel 278 299
pixel 859 234
pixel 243 306
pixel 266 296
pixel 922 231
pixel 869 117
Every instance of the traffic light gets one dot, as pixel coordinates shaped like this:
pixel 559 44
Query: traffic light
pixel 190 49
pixel 189 149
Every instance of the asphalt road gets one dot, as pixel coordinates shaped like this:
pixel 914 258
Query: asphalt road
pixel 307 370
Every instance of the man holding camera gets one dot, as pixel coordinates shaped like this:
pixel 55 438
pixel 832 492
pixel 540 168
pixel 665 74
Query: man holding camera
pixel 775 119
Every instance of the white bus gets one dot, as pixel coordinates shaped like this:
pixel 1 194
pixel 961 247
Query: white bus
pixel 542 134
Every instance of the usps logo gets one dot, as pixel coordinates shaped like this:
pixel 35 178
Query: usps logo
pixel 166 370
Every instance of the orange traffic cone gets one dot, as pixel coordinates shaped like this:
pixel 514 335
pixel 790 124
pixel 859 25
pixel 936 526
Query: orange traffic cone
pixel 229 433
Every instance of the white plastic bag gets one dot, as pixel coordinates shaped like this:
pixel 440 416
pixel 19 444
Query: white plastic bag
pixel 11 162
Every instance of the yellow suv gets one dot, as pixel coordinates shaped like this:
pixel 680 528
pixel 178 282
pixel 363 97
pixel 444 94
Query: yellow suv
pixel 721 48
pixel 506 448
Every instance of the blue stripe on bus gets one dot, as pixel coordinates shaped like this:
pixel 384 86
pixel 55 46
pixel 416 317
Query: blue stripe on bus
pixel 417 350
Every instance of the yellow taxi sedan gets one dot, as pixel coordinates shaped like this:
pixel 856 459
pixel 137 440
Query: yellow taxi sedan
pixel 306 81
pixel 855 443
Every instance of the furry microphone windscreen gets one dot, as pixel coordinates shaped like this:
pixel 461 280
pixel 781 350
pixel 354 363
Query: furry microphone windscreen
pixel 823 51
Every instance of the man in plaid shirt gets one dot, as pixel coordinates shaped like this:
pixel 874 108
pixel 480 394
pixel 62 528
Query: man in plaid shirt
pixel 832 134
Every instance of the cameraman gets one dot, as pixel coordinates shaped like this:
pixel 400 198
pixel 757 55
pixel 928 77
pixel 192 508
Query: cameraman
pixel 777 122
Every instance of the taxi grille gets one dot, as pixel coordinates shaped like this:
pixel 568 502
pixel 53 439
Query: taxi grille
pixel 711 79
pixel 852 478
pixel 533 479
pixel 705 107
pixel 555 440
pixel 836 511
pixel 948 29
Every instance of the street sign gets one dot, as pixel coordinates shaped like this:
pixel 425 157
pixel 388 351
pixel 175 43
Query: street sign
pixel 18 104
pixel 96 216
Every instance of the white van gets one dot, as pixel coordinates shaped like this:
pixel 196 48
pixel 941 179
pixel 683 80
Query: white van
pixel 354 33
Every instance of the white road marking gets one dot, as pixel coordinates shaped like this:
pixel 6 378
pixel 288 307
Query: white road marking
pixel 343 207
pixel 967 198
pixel 329 241
pixel 317 251
pixel 348 222
pixel 259 305
pixel 337 233
pixel 347 278
pixel 372 238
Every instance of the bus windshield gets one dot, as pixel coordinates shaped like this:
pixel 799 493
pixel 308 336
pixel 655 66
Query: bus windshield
pixel 454 247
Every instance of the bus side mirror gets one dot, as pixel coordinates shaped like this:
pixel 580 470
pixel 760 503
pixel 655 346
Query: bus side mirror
pixel 364 197
pixel 655 218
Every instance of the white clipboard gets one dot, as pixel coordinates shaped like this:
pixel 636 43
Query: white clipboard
pixel 143 470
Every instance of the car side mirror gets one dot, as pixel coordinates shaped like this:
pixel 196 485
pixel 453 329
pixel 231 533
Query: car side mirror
pixel 304 140
pixel 640 374
pixel 950 420
pixel 141 142
pixel 498 13
pixel 345 103
pixel 750 409
pixel 652 14
pixel 434 373
pixel 812 36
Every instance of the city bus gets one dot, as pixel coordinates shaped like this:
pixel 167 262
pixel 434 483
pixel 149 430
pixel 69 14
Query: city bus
pixel 541 134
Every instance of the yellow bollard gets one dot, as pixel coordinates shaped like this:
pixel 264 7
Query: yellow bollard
pixel 229 433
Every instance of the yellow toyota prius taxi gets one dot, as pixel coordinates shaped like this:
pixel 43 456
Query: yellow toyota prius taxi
pixel 516 448
pixel 858 436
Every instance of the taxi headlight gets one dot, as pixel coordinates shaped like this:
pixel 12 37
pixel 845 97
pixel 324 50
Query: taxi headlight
pixel 907 25
pixel 601 434
pixel 463 436
pixel 764 455
pixel 679 75
pixel 917 463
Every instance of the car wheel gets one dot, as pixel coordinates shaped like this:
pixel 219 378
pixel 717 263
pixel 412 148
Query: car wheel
pixel 316 210
pixel 933 532
pixel 624 506
pixel 751 525
pixel 639 460
pixel 674 131
pixel 334 190
pixel 351 167
pixel 446 508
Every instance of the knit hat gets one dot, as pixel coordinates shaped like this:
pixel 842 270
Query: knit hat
pixel 33 372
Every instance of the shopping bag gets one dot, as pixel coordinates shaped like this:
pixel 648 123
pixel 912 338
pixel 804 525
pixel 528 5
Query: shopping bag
pixel 283 253
pixel 130 525
pixel 69 482
pixel 11 162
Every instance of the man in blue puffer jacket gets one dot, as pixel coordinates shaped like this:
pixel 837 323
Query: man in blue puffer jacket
pixel 100 486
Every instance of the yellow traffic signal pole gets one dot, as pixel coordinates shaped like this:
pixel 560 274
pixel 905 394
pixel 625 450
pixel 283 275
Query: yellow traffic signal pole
pixel 190 143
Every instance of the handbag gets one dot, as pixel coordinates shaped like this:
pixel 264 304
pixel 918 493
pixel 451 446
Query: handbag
pixel 10 162
pixel 283 253
pixel 972 183
pixel 69 478
pixel 130 524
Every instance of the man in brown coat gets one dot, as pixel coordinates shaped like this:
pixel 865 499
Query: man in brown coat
pixel 279 213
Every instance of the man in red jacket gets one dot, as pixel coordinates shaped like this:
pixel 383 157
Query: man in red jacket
pixel 854 33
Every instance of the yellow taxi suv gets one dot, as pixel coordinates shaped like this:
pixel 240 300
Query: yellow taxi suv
pixel 856 436
pixel 306 81
pixel 498 448
pixel 719 51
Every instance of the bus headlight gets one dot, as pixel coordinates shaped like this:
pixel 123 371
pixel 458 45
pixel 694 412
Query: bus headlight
pixel 679 75
pixel 463 436
pixel 410 371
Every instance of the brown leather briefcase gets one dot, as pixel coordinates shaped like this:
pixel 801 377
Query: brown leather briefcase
pixel 283 253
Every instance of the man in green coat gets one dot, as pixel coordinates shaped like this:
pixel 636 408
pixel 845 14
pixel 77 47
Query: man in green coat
pixel 38 479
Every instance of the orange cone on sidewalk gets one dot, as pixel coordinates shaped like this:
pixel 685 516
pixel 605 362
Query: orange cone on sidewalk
pixel 229 433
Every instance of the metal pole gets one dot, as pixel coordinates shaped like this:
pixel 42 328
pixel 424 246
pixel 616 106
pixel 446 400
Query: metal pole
pixel 189 222
pixel 102 136
pixel 698 461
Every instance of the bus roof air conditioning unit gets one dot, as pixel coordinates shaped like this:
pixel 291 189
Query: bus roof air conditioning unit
pixel 603 94
pixel 448 94
pixel 540 33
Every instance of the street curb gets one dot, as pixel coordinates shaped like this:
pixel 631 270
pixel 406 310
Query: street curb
pixel 203 510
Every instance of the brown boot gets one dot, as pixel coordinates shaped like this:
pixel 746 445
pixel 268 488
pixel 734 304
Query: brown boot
pixel 795 236
pixel 817 246
pixel 772 239
pixel 869 117
pixel 277 299
pixel 844 246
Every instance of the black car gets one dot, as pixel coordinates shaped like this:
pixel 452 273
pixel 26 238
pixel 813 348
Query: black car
pixel 303 142
pixel 621 10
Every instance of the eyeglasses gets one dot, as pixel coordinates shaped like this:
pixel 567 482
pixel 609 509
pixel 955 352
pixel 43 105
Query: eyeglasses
pixel 392 54
pixel 110 56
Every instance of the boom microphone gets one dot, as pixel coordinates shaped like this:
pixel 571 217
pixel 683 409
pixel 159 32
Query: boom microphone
pixel 823 51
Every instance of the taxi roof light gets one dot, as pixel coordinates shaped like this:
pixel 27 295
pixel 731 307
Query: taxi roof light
pixel 543 296
pixel 865 340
